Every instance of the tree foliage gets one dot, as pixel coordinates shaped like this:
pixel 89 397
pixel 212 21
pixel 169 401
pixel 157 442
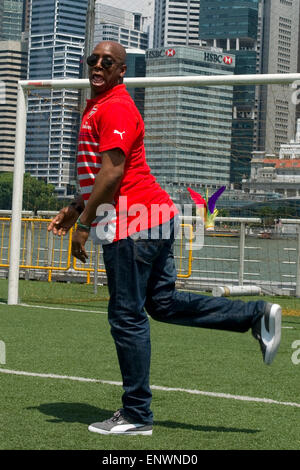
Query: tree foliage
pixel 37 195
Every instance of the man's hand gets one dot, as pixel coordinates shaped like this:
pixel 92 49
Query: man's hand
pixel 63 221
pixel 79 239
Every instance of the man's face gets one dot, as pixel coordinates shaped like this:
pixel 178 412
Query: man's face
pixel 108 69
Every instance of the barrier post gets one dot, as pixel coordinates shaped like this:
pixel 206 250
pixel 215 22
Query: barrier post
pixel 28 250
pixel 298 263
pixel 242 254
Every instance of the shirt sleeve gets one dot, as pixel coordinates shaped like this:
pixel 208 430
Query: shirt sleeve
pixel 118 128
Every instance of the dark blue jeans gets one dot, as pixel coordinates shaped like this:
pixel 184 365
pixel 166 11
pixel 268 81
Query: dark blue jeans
pixel 141 277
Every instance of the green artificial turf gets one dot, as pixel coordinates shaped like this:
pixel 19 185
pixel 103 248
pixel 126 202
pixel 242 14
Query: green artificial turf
pixel 52 413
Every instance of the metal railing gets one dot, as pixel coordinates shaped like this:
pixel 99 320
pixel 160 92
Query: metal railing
pixel 42 251
pixel 226 258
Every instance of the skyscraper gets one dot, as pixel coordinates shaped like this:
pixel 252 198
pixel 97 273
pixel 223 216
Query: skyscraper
pixel 11 20
pixel 56 44
pixel 280 54
pixel 188 129
pixel 116 24
pixel 13 67
pixel 26 17
pixel 232 25
pixel 176 22
pixel 136 67
pixel 127 28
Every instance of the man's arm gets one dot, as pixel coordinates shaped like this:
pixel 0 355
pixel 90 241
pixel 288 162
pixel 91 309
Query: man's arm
pixel 106 184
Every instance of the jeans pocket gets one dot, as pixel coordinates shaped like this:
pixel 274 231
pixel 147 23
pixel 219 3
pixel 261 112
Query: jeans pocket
pixel 146 251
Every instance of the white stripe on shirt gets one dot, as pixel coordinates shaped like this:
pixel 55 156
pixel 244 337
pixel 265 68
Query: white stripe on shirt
pixel 86 189
pixel 94 154
pixel 86 176
pixel 82 142
pixel 88 165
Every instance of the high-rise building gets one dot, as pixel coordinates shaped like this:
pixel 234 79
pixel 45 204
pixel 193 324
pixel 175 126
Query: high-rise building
pixel 56 45
pixel 11 20
pixel 232 25
pixel 280 54
pixel 176 22
pixel 188 129
pixel 26 17
pixel 13 67
pixel 115 24
pixel 127 28
pixel 136 67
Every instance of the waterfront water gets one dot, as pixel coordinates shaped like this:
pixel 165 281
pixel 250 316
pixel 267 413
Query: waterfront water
pixel 266 260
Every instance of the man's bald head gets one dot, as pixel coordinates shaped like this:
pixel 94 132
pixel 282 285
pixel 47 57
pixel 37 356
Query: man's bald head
pixel 118 50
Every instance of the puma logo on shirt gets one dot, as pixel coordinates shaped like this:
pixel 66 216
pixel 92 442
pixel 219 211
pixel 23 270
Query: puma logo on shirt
pixel 120 133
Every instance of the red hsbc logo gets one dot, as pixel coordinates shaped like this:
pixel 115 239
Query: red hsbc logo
pixel 170 52
pixel 227 60
pixel 218 58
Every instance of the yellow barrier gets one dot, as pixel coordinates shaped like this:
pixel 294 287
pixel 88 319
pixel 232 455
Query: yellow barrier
pixel 190 257
pixel 38 251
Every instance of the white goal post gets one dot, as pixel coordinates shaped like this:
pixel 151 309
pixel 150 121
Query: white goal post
pixel 25 85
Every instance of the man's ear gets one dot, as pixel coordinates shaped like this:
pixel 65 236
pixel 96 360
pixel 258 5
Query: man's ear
pixel 124 69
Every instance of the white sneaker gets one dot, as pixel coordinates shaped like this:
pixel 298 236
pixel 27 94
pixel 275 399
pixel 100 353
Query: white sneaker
pixel 267 330
pixel 119 424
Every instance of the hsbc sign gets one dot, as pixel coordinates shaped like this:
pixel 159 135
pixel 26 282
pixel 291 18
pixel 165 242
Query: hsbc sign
pixel 218 58
pixel 212 57
pixel 228 60
pixel 156 53
pixel 170 52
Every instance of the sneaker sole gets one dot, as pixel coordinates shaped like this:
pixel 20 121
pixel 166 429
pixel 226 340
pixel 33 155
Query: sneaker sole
pixel 120 433
pixel 274 332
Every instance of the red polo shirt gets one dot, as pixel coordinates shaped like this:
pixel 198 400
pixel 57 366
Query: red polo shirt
pixel 112 121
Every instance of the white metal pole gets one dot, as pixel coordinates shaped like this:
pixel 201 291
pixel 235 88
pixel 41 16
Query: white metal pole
pixel 17 199
pixel 96 261
pixel 193 80
pixel 242 254
pixel 298 263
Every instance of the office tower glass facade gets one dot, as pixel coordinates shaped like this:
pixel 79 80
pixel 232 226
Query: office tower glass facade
pixel 280 54
pixel 127 28
pixel 232 25
pixel 13 67
pixel 176 22
pixel 136 67
pixel 56 45
pixel 11 20
pixel 188 129
pixel 115 24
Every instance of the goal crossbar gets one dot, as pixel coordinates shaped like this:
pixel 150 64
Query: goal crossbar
pixel 193 80
pixel 142 82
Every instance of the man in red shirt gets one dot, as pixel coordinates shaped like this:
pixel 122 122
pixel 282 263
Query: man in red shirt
pixel 122 207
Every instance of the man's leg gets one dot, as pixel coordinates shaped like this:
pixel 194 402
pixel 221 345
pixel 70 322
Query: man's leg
pixel 165 303
pixel 128 266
